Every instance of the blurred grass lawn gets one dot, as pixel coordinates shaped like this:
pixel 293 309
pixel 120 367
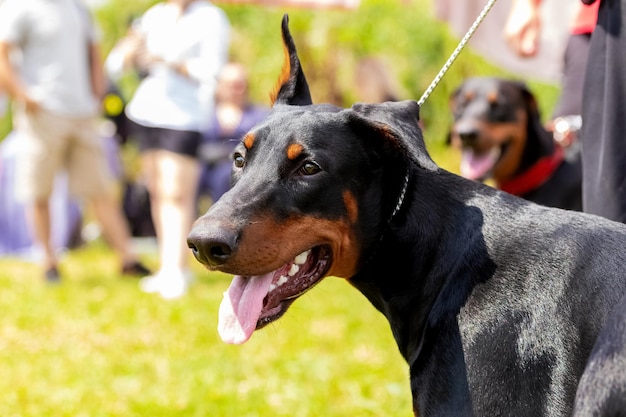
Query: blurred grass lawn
pixel 96 346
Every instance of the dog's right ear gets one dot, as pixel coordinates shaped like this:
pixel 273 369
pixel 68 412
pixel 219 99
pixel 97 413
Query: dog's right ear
pixel 395 124
pixel 292 87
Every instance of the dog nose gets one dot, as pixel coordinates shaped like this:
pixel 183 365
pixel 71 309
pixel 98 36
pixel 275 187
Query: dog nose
pixel 469 136
pixel 211 249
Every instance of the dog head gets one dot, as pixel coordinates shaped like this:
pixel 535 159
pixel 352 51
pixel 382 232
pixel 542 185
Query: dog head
pixel 491 119
pixel 313 186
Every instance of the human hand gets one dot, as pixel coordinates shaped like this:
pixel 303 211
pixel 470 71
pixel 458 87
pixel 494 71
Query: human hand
pixel 31 106
pixel 523 27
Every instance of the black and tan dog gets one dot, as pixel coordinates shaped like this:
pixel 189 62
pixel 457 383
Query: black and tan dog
pixel 497 126
pixel 495 302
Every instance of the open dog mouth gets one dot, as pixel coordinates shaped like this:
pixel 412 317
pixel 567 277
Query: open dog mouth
pixel 479 166
pixel 255 301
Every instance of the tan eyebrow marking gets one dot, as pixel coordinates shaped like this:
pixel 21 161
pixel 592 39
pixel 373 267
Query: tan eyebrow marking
pixel 492 97
pixel 248 140
pixel 294 150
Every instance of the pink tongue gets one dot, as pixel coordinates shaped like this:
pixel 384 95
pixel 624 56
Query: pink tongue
pixel 477 166
pixel 241 307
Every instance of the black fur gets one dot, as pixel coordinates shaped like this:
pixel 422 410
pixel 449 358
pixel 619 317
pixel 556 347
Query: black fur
pixel 495 302
pixel 481 103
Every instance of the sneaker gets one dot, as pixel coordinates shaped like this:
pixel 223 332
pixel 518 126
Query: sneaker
pixel 135 268
pixel 175 285
pixel 52 275
pixel 151 283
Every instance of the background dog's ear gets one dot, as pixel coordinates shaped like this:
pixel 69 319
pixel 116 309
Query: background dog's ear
pixel 534 122
pixel 396 123
pixel 532 108
pixel 292 87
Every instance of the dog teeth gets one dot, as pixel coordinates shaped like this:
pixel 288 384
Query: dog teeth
pixel 301 259
pixel 283 279
pixel 293 270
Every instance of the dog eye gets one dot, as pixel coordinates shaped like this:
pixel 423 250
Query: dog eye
pixel 238 160
pixel 309 168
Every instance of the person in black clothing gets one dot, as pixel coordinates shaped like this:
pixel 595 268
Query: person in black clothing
pixel 603 134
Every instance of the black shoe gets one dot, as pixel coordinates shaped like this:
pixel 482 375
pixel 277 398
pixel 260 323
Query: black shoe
pixel 136 269
pixel 52 276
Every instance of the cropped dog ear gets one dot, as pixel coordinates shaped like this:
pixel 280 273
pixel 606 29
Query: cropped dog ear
pixel 534 123
pixel 292 87
pixel 396 125
pixel 530 103
pixel 454 98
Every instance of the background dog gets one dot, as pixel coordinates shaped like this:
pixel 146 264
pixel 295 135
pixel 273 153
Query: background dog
pixel 498 128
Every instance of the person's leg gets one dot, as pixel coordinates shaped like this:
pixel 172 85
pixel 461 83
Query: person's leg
pixel 172 172
pixel 177 177
pixel 113 225
pixel 604 126
pixel 173 194
pixel 44 142
pixel 90 178
pixel 39 221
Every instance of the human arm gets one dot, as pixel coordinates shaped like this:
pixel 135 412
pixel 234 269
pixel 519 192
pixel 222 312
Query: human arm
pixel 96 70
pixel 212 53
pixel 523 27
pixel 10 81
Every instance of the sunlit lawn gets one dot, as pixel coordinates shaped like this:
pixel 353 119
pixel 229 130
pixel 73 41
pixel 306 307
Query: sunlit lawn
pixel 96 346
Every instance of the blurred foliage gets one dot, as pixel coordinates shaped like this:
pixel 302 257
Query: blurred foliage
pixel 403 34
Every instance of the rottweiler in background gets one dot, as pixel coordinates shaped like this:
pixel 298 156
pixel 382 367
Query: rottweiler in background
pixel 497 126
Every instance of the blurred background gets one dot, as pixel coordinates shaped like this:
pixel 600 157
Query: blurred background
pixel 96 346
pixel 405 35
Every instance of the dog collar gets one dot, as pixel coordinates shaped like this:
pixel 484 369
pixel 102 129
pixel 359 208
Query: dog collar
pixel 535 176
pixel 401 196
pixel 395 211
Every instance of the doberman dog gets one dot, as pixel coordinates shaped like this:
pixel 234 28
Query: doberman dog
pixel 495 302
pixel 498 128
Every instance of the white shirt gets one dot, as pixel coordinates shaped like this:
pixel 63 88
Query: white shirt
pixel 199 39
pixel 52 37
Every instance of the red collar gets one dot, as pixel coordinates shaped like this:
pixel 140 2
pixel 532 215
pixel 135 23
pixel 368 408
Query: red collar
pixel 535 176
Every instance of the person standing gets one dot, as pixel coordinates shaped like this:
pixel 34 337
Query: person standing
pixel 233 117
pixel 604 105
pixel 50 66
pixel 181 46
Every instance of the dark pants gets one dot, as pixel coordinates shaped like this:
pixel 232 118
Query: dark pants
pixel 604 116
pixel 574 66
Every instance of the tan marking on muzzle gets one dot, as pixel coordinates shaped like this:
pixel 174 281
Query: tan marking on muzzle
pixel 267 244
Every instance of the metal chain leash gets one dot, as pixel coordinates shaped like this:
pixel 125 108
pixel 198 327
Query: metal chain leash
pixel 456 52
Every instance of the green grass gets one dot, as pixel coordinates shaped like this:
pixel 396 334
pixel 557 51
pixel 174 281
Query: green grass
pixel 96 346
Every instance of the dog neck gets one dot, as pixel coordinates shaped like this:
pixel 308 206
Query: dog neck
pixel 401 197
pixel 535 176
pixel 408 286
